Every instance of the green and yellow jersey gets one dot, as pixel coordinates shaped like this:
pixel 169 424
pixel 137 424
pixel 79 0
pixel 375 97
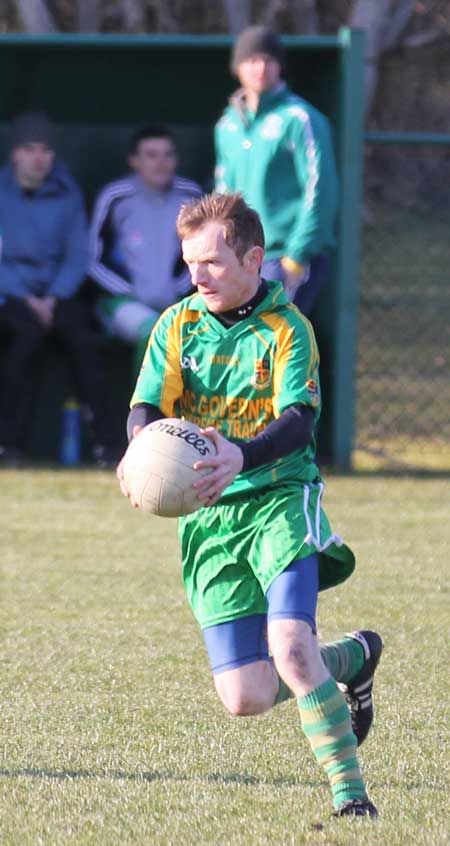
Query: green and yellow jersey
pixel 237 379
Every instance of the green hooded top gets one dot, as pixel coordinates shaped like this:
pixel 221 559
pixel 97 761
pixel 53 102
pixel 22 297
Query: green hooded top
pixel 281 160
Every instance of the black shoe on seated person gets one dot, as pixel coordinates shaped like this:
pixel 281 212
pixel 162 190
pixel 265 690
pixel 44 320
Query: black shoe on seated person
pixel 106 457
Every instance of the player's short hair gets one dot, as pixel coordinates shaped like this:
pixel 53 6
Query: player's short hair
pixel 151 130
pixel 243 228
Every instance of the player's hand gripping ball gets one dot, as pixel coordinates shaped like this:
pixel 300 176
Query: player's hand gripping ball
pixel 158 466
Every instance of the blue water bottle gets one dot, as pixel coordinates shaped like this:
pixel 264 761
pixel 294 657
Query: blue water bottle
pixel 70 445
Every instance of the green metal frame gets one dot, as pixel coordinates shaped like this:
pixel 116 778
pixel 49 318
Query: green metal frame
pixel 324 42
pixel 434 138
pixel 348 254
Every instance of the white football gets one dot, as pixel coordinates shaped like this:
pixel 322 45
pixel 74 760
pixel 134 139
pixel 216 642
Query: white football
pixel 158 466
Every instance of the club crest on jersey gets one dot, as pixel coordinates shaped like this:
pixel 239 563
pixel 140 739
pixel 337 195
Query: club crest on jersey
pixel 272 126
pixel 189 362
pixel 261 376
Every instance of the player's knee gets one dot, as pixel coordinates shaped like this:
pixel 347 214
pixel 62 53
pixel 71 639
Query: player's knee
pixel 244 706
pixel 241 702
pixel 295 655
pixel 292 658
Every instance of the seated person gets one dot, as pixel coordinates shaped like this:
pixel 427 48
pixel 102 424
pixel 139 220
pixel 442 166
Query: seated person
pixel 42 265
pixel 135 254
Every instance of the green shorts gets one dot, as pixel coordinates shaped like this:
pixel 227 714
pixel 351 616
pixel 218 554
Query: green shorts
pixel 233 551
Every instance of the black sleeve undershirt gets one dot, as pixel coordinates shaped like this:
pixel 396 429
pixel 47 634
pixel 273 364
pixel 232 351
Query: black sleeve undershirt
pixel 293 430
pixel 142 414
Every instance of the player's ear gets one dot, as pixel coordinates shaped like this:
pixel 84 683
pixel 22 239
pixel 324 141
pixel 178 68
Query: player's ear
pixel 253 259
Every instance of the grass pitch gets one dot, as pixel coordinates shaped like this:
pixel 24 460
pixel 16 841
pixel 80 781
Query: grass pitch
pixel 110 729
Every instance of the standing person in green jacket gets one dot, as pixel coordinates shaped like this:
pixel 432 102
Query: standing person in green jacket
pixel 276 149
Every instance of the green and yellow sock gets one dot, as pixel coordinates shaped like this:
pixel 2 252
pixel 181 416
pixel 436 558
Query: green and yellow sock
pixel 343 658
pixel 326 723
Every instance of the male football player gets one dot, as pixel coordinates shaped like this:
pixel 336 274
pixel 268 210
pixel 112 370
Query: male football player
pixel 237 358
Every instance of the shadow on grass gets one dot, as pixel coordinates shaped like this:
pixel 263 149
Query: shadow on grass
pixel 145 777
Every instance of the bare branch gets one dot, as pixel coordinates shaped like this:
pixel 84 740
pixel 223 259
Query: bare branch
pixel 35 16
pixel 396 23
pixel 420 39
pixel 88 14
pixel 237 13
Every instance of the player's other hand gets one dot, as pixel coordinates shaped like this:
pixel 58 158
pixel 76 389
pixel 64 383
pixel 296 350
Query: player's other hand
pixel 225 466
pixel 120 475
pixel 43 308
pixel 295 275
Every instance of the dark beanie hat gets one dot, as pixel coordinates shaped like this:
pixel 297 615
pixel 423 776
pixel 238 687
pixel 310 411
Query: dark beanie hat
pixel 32 126
pixel 254 40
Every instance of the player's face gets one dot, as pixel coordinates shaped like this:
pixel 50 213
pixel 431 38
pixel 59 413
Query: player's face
pixel 220 277
pixel 155 160
pixel 259 73
pixel 32 163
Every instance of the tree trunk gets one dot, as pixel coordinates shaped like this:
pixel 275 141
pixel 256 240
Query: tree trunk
pixel 371 17
pixel 132 15
pixel 237 13
pixel 384 22
pixel 395 25
pixel 35 16
pixel 272 7
pixel 166 20
pixel 88 15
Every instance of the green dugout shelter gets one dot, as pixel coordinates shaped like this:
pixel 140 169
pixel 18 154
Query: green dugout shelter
pixel 98 89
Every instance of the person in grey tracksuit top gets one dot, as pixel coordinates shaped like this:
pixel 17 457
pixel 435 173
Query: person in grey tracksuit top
pixel 135 254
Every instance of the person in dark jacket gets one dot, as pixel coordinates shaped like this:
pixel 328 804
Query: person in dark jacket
pixel 43 261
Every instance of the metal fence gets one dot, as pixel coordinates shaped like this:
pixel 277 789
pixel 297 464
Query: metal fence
pixel 403 363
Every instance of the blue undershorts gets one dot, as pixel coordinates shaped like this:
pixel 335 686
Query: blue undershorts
pixel 292 595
